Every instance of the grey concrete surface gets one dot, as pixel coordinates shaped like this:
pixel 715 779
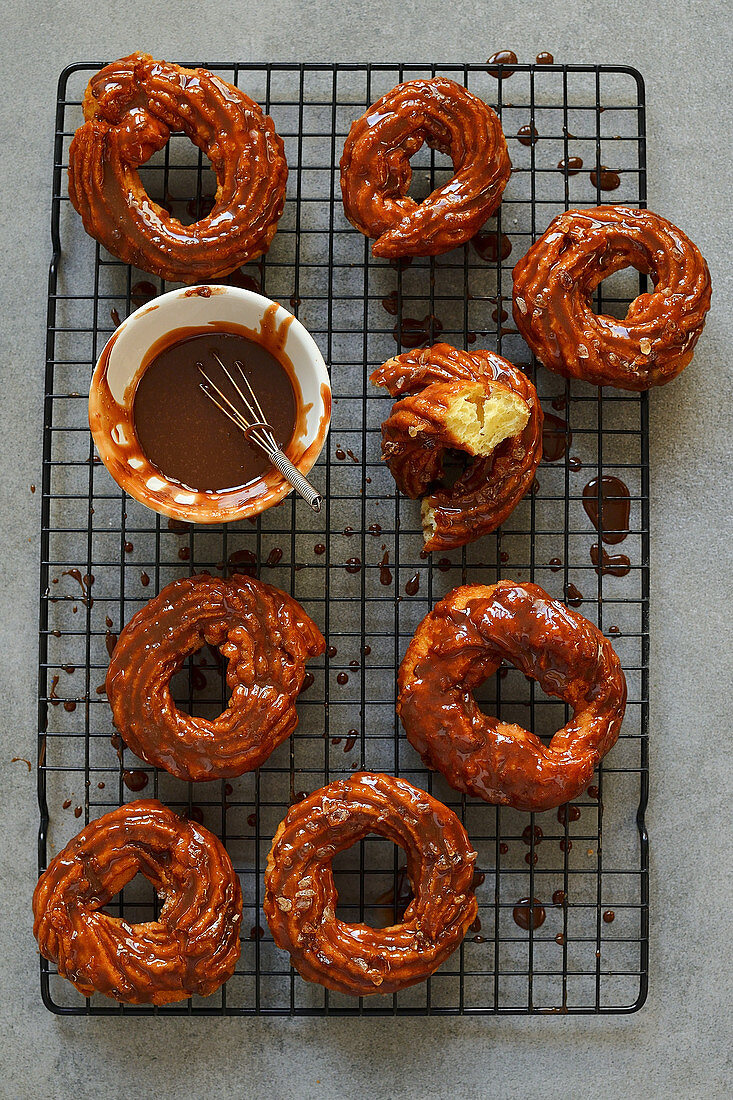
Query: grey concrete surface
pixel 678 1045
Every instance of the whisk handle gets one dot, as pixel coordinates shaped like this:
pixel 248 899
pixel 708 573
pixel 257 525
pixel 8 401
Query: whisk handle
pixel 301 485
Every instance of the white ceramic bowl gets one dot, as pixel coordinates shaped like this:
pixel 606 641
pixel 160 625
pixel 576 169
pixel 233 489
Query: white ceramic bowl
pixel 128 352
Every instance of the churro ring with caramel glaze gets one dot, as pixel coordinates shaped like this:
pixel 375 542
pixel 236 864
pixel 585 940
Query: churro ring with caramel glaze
pixel 264 634
pixel 189 950
pixel 462 642
pixel 554 284
pixel 475 402
pixel 376 172
pixel 131 107
pixel 301 899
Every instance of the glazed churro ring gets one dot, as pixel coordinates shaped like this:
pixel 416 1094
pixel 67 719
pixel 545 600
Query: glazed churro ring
pixel 131 108
pixel 300 895
pixel 555 280
pixel 193 945
pixel 264 634
pixel 462 642
pixel 376 173
pixel 476 402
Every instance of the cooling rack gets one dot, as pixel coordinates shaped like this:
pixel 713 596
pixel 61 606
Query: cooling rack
pixel 358 568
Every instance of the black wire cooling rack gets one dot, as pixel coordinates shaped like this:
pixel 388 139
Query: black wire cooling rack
pixel 358 568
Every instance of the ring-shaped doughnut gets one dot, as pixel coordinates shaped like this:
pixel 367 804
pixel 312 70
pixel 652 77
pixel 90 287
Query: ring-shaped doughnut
pixel 376 172
pixel 131 107
pixel 300 895
pixel 190 949
pixel 490 487
pixel 462 642
pixel 554 284
pixel 264 634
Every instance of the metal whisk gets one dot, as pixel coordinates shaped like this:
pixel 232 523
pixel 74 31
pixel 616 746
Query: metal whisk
pixel 256 429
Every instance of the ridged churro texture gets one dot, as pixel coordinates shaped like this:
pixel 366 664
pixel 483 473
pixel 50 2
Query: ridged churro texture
pixel 190 949
pixel 554 284
pixel 301 899
pixel 266 637
pixel 376 172
pixel 462 642
pixel 131 107
pixel 428 383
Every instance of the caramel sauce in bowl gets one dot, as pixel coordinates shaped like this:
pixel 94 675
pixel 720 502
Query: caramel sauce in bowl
pixel 172 319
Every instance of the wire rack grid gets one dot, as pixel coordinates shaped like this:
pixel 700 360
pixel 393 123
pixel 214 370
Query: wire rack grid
pixel 358 569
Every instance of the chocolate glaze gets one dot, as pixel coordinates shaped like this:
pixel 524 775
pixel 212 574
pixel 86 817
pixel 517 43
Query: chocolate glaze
pixel 265 636
pixel 609 916
pixel 553 294
pixel 611 519
pixel 185 435
pixel 618 565
pixel 85 582
pixel 413 333
pixel 556 438
pixel 526 913
pixel 502 57
pixel 142 292
pixel 568 813
pixel 376 171
pixel 301 900
pixel 243 562
pixel 390 303
pixel 527 134
pixel 606 178
pixel 489 488
pixel 570 166
pixel 492 246
pixel 412 586
pixel 385 573
pixel 574 596
pixel 131 107
pixel 544 58
pixel 532 835
pixel 353 565
pixel 135 780
pixel 193 945
pixel 461 643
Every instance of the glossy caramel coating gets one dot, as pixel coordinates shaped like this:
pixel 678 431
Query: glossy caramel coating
pixel 266 637
pixel 554 284
pixel 189 950
pixel 131 107
pixel 376 172
pixel 491 486
pixel 462 642
pixel 301 899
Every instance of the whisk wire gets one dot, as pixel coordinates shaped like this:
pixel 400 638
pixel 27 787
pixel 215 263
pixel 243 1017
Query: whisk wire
pixel 257 430
pixel 257 415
